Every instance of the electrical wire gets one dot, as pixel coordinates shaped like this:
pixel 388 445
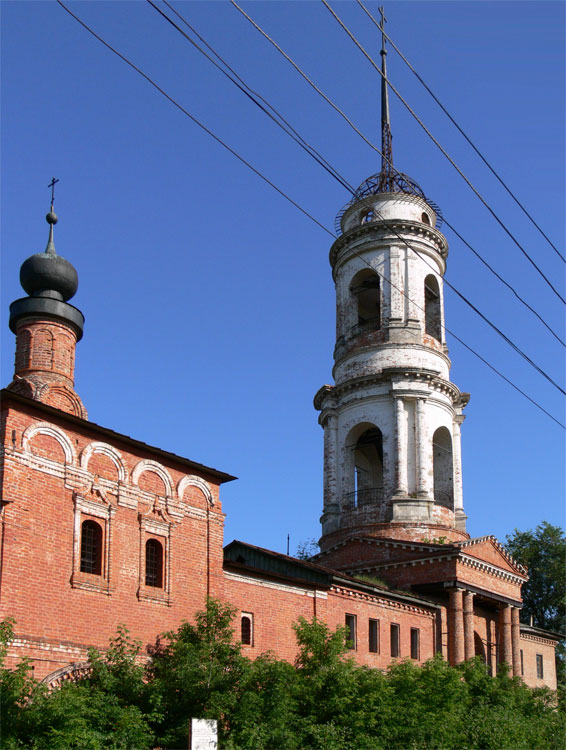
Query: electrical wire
pixel 461 131
pixel 333 172
pixel 345 117
pixel 444 152
pixel 194 119
pixel 249 92
pixel 291 132
pixel 218 140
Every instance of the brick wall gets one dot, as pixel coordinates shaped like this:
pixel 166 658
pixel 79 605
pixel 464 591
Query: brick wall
pixel 531 646
pixel 275 606
pixel 57 477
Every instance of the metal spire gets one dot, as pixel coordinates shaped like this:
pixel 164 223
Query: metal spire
pixel 386 178
pixel 51 219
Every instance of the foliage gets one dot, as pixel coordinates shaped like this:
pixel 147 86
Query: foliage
pixel 543 551
pixel 197 671
pixel 96 712
pixel 324 701
pixel 307 549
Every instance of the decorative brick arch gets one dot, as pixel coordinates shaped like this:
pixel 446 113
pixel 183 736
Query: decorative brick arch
pixel 44 428
pixel 193 481
pixel 70 673
pixel 161 471
pixel 109 452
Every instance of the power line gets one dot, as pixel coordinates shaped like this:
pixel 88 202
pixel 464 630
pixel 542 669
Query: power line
pixel 218 140
pixel 461 131
pixel 194 119
pixel 504 282
pixel 377 150
pixel 444 152
pixel 333 172
pixel 242 86
pixel 251 91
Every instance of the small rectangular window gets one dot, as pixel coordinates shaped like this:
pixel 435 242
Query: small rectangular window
pixel 351 625
pixel 394 630
pixel 374 636
pixel 522 664
pixel 415 643
pixel 154 563
pixel 540 668
pixel 247 629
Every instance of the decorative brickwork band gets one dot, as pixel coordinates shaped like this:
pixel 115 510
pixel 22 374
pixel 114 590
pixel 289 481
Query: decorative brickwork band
pixel 456 652
pixel 469 647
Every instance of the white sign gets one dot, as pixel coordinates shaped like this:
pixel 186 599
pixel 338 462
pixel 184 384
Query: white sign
pixel 204 734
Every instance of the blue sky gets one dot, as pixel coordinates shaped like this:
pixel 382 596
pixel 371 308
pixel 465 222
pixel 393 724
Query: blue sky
pixel 208 298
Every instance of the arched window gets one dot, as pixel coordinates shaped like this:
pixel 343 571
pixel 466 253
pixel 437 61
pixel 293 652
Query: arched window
pixel 432 308
pixel 247 629
pixel 368 467
pixel 367 299
pixel 154 563
pixel 443 469
pixel 91 548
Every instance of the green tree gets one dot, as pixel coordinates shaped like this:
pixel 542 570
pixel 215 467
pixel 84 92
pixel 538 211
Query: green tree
pixel 197 671
pixel 96 712
pixel 307 549
pixel 543 551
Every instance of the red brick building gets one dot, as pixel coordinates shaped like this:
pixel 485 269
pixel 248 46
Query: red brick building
pixel 99 529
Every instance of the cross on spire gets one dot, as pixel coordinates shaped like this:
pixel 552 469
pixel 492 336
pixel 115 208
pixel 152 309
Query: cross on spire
pixel 51 185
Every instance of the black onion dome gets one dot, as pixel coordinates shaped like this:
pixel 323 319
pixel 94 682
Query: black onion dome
pixel 48 274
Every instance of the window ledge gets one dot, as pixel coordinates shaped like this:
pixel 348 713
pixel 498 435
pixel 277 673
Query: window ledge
pixel 90 582
pixel 154 594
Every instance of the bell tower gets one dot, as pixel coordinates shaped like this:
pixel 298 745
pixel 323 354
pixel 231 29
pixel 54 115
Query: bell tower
pixel 392 461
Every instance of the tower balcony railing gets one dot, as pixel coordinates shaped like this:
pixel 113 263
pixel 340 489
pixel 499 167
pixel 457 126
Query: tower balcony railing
pixel 360 498
pixel 446 499
pixel 372 324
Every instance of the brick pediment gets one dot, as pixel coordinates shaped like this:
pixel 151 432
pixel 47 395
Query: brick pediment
pixel 489 550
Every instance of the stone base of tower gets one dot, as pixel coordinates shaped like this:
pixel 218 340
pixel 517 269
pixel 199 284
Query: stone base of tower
pixel 401 530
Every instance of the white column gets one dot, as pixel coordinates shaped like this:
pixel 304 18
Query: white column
pixel 330 460
pixel 400 446
pixel 422 448
pixel 457 460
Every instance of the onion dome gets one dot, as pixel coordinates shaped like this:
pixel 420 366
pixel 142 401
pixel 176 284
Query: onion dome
pixel 50 281
pixel 48 274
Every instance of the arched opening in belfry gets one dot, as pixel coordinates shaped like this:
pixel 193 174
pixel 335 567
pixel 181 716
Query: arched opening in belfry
pixel 368 468
pixel 433 324
pixel 366 296
pixel 443 468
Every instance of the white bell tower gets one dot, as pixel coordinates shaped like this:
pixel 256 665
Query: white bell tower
pixel 392 460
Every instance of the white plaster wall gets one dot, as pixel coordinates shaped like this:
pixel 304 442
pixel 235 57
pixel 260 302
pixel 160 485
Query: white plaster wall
pixel 402 271
pixel 374 407
pixel 388 206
